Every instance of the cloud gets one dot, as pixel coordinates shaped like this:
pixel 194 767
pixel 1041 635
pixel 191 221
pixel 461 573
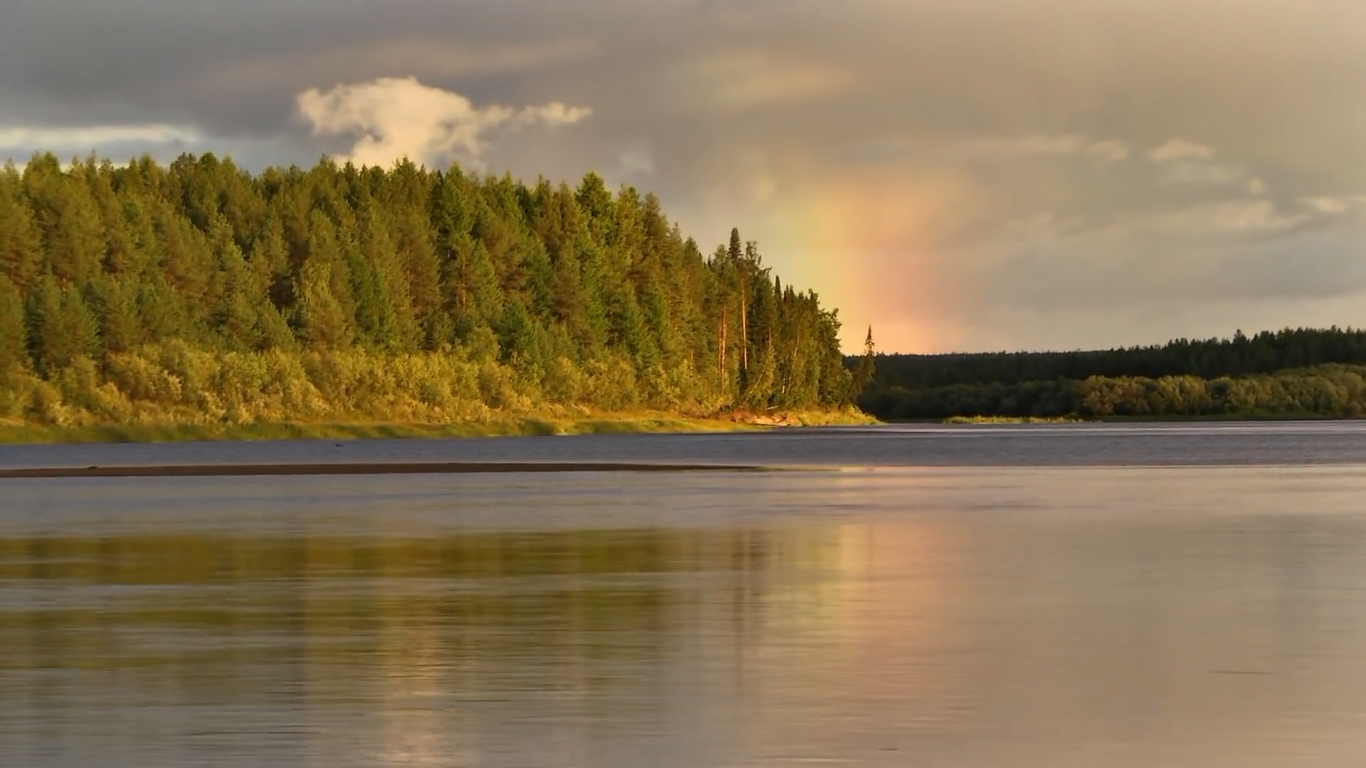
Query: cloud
pixel 1246 216
pixel 394 118
pixel 1108 151
pixel 553 114
pixel 749 79
pixel 94 137
pixel 901 157
pixel 1336 205
pixel 1204 173
pixel 1180 149
pixel 436 57
pixel 1187 162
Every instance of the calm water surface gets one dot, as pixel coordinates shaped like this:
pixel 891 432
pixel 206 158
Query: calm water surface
pixel 1096 596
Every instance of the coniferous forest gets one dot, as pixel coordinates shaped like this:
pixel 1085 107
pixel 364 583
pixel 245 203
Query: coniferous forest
pixel 1302 372
pixel 200 293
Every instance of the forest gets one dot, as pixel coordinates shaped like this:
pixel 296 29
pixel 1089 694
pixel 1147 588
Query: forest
pixel 199 293
pixel 1302 372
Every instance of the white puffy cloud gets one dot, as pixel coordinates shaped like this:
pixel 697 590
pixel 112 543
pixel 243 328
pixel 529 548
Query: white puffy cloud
pixel 393 118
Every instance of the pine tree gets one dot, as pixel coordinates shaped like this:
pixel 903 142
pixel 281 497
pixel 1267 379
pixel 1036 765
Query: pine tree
pixel 867 367
pixel 517 336
pixel 394 318
pixel 72 233
pixel 320 320
pixel 120 248
pixel 472 283
pixel 20 243
pixel 115 304
pixel 163 314
pixel 420 264
pixel 63 327
pixel 13 334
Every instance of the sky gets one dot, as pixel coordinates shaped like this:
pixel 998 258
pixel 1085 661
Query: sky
pixel 962 175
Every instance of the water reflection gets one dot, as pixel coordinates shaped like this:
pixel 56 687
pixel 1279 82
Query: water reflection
pixel 385 631
pixel 962 617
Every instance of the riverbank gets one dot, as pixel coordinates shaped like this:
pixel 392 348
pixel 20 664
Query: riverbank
pixel 1211 417
pixel 594 424
pixel 989 420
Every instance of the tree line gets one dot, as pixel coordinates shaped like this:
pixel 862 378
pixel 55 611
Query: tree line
pixel 1241 355
pixel 1337 391
pixel 199 291
pixel 1300 372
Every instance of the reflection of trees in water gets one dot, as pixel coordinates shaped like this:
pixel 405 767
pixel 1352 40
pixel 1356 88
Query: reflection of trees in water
pixel 427 631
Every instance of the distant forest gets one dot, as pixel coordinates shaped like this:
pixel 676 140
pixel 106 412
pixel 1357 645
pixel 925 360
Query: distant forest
pixel 199 292
pixel 1288 373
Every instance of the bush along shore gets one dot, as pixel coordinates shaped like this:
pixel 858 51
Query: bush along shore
pixel 200 301
pixel 496 426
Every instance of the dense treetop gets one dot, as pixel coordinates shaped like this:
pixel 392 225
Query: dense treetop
pixel 569 294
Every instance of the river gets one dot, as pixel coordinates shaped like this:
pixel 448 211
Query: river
pixel 1050 596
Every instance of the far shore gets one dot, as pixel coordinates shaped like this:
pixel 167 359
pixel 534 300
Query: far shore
pixel 1148 419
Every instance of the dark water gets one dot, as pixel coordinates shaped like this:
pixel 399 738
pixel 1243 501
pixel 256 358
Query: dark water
pixel 1132 596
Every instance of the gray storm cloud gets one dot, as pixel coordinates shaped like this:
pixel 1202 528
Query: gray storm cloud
pixel 1018 173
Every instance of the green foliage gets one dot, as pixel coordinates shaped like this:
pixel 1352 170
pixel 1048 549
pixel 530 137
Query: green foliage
pixel 1291 372
pixel 20 246
pixel 1337 391
pixel 13 334
pixel 865 369
pixel 62 327
pixel 198 293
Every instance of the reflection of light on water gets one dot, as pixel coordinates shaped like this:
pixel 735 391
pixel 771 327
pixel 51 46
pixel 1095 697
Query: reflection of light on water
pixel 817 577
pixel 831 568
pixel 373 646
pixel 417 728
pixel 447 639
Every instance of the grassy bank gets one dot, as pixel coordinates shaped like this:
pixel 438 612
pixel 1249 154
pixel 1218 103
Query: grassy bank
pixel 1301 416
pixel 987 420
pixel 597 424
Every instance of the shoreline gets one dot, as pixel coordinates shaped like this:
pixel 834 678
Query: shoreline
pixel 969 421
pixel 527 426
pixel 358 468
